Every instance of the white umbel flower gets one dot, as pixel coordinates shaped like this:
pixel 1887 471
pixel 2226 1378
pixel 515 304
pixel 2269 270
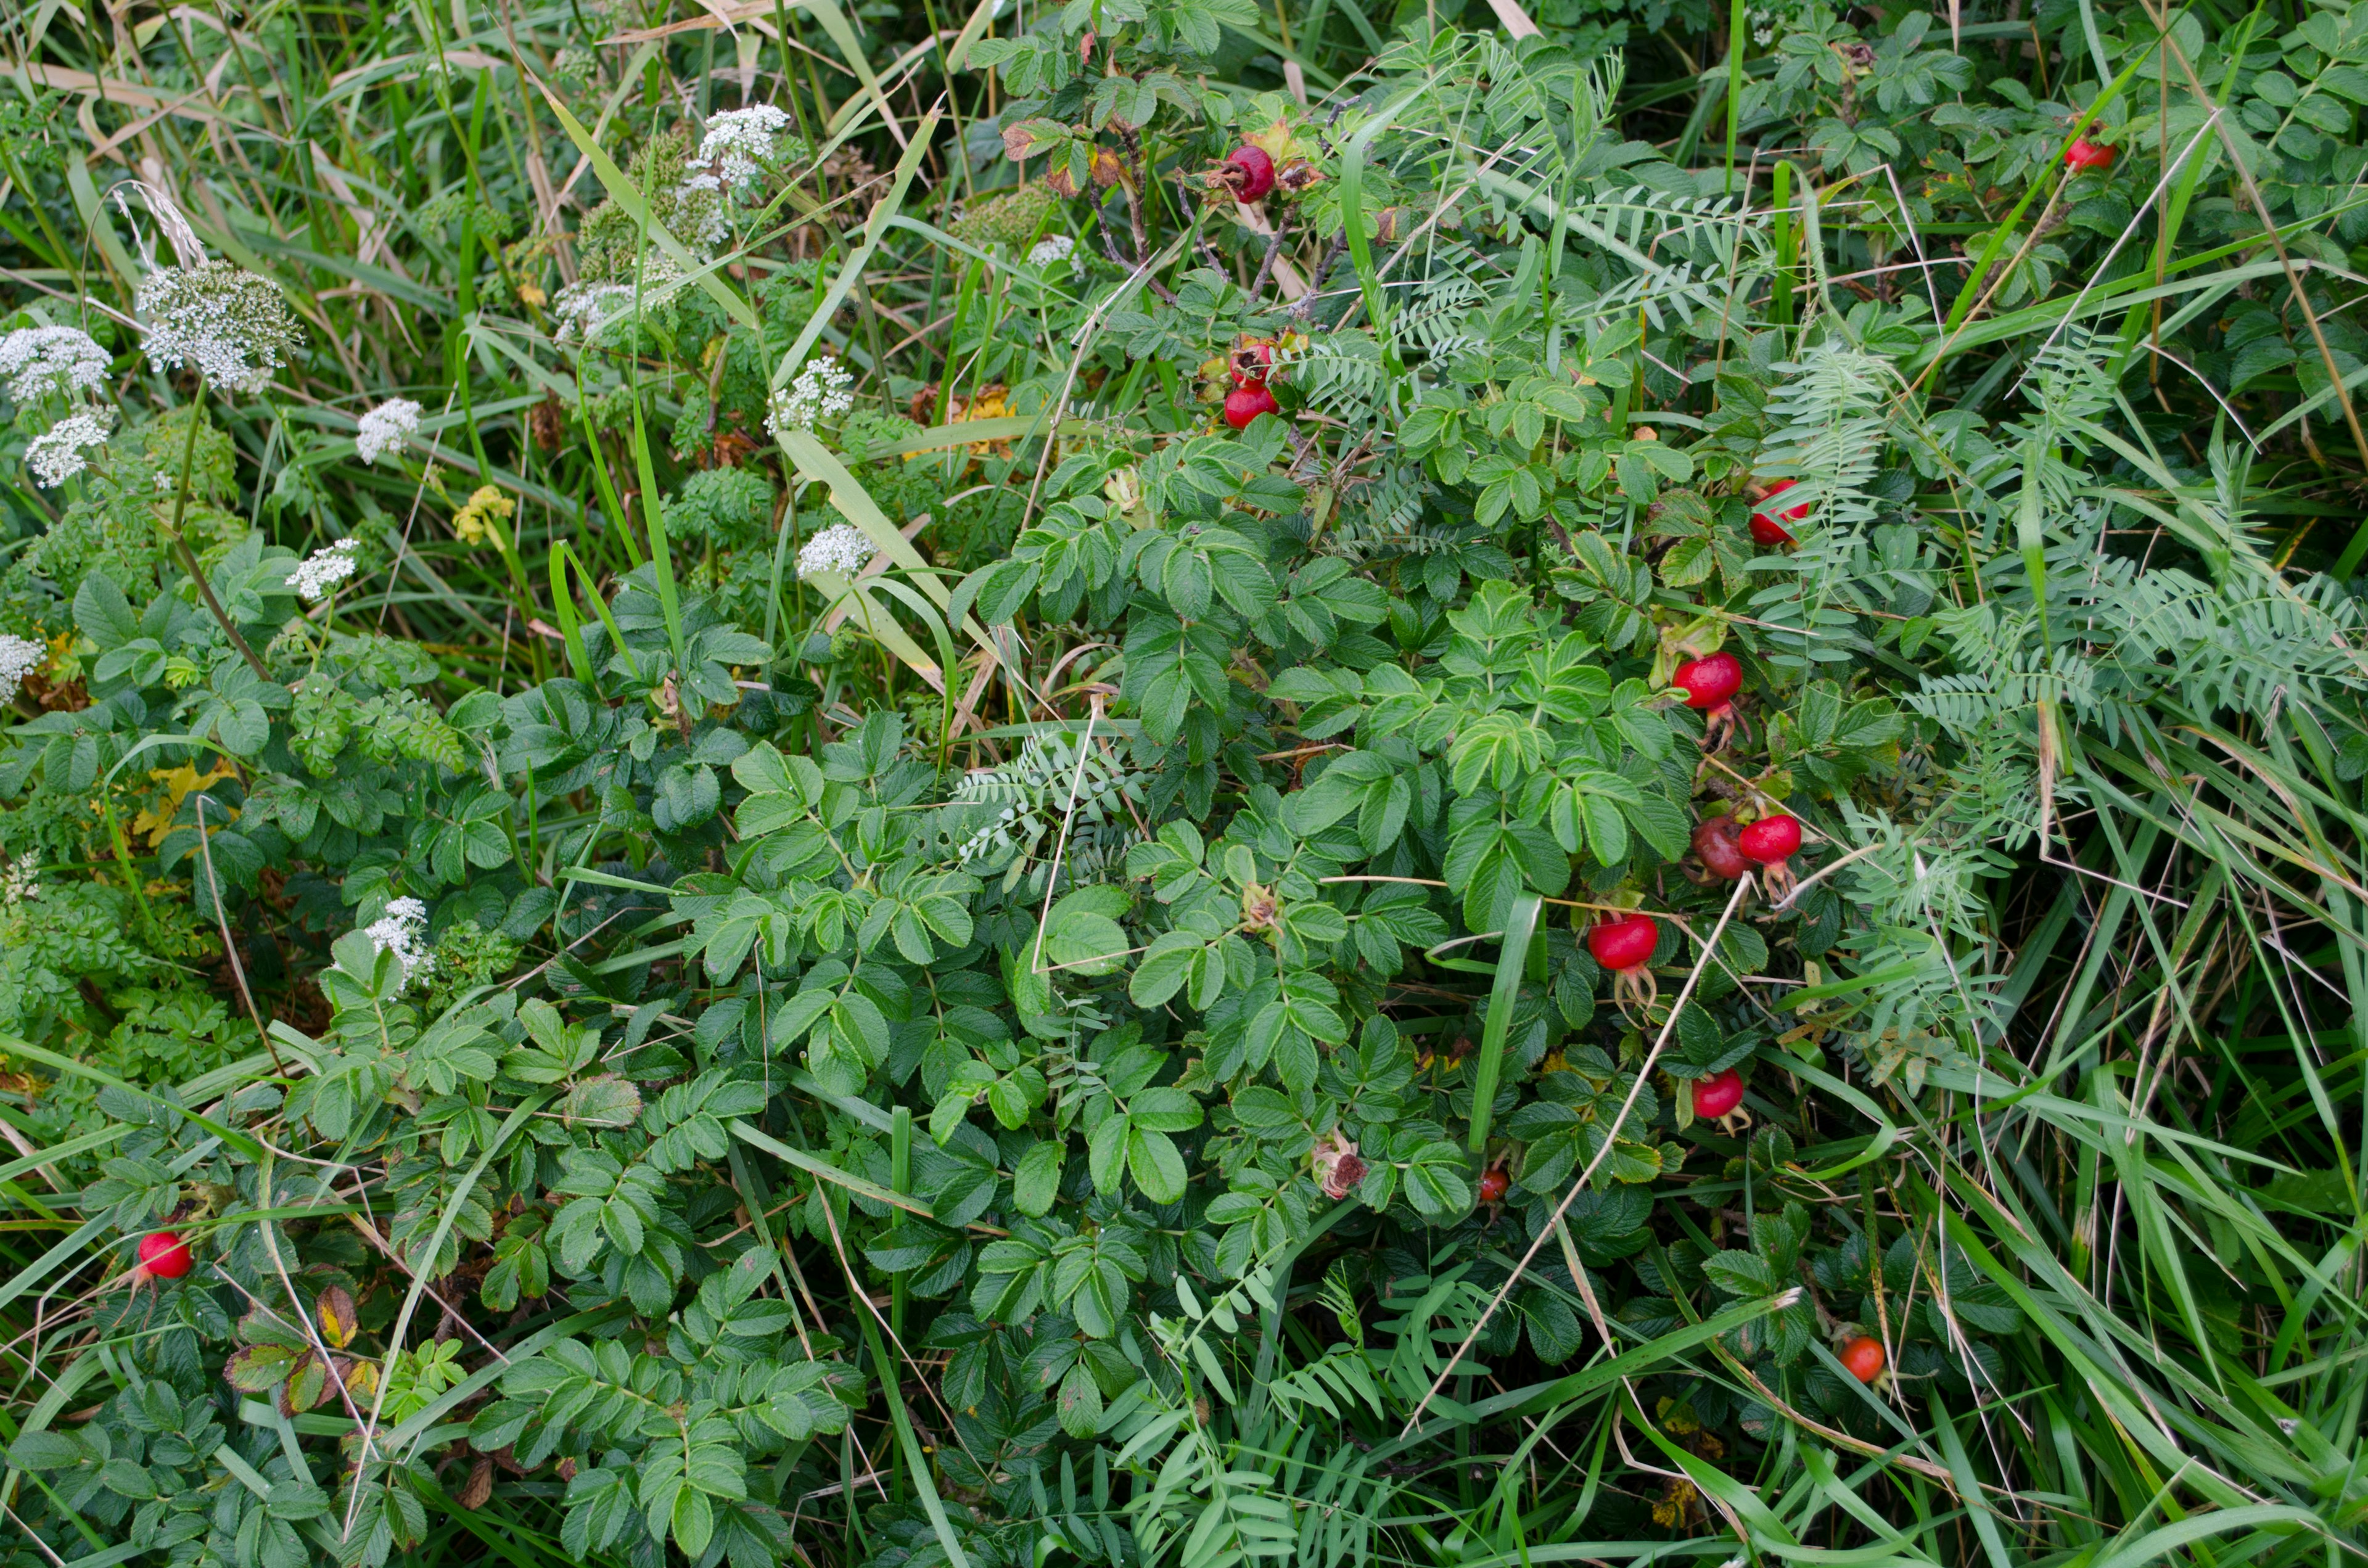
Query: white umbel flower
pixel 322 571
pixel 403 931
pixel 234 326
pixel 734 151
pixel 19 656
pixel 842 548
pixel 231 325
pixel 56 455
pixel 1052 250
pixel 585 310
pixel 819 393
pixel 384 428
pixel 42 359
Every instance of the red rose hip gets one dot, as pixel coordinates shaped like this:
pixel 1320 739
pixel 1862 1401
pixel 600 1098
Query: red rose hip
pixel 1493 1185
pixel 1765 529
pixel 1710 682
pixel 164 1254
pixel 1715 847
pixel 1717 1095
pixel 1769 839
pixel 1624 944
pixel 1863 1358
pixel 1250 170
pixel 2080 157
pixel 1247 402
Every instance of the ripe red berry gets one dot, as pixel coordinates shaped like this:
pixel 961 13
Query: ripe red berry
pixel 1249 400
pixel 1863 1358
pixel 164 1254
pixel 1709 682
pixel 1714 848
pixel 2080 157
pixel 1250 170
pixel 1626 943
pixel 1769 839
pixel 1718 1094
pixel 1493 1185
pixel 1765 529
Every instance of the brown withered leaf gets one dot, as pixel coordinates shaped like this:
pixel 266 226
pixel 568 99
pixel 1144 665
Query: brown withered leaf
pixel 480 1484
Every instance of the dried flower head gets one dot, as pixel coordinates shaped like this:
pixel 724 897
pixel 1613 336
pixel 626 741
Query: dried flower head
pixel 842 548
pixel 819 393
pixel 234 326
pixel 737 145
pixel 384 428
pixel 1052 250
pixel 39 360
pixel 1337 1165
pixel 19 656
pixel 56 455
pixel 403 931
pixel 322 571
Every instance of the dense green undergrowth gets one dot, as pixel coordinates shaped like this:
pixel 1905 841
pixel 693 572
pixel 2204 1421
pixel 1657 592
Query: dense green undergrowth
pixel 790 783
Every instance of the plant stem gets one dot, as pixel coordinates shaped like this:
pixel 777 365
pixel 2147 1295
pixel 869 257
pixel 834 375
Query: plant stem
pixel 188 558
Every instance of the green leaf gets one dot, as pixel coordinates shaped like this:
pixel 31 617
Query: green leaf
pixel 1035 1182
pixel 1158 1168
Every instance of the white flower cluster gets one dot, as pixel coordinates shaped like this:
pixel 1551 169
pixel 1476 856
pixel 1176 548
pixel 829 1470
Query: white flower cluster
pixel 403 931
pixel 819 393
pixel 42 359
pixel 56 454
pixel 737 143
pixel 323 570
pixel 232 325
pixel 23 883
pixel 1052 250
pixel 384 428
pixel 19 656
pixel 585 310
pixel 842 548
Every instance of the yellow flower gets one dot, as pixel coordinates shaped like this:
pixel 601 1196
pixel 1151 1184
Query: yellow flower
pixel 487 507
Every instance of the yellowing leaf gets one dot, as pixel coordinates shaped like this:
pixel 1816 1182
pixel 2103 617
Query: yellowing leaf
pixel 180 783
pixel 336 1309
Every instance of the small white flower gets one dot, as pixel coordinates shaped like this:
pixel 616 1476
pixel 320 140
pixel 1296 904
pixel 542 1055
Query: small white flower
pixel 842 548
pixel 323 570
pixel 402 931
pixel 819 393
pixel 23 883
pixel 736 145
pixel 1052 250
pixel 585 310
pixel 234 326
pixel 703 224
pixel 41 359
pixel 19 656
pixel 56 455
pixel 384 428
